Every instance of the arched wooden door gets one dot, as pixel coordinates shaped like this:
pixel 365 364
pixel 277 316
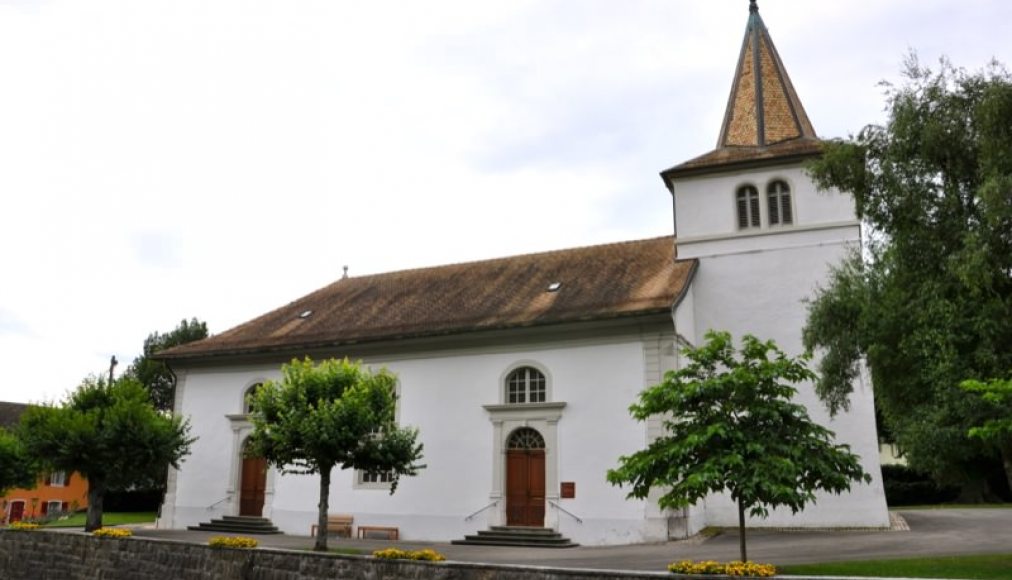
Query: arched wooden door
pixel 253 484
pixel 525 478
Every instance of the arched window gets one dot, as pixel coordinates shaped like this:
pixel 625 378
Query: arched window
pixel 525 385
pixel 525 438
pixel 247 398
pixel 747 201
pixel 778 198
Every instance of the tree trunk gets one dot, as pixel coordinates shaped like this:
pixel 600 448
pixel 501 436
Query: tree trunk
pixel 321 517
pixel 741 530
pixel 96 495
pixel 1006 461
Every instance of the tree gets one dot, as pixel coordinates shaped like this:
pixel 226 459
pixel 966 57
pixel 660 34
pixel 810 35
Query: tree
pixel 997 430
pixel 928 304
pixel 17 468
pixel 155 374
pixel 730 426
pixel 110 434
pixel 335 414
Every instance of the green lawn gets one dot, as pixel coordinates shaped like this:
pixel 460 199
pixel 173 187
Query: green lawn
pixel 108 519
pixel 986 567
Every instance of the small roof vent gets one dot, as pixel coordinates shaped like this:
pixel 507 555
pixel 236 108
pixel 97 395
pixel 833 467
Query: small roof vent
pixel 554 287
pixel 306 314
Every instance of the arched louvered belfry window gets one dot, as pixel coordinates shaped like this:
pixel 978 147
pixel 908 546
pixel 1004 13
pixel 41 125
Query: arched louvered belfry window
pixel 525 438
pixel 525 385
pixel 778 198
pixel 747 202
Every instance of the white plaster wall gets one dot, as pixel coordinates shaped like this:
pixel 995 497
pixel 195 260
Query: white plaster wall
pixel 762 293
pixel 443 395
pixel 705 205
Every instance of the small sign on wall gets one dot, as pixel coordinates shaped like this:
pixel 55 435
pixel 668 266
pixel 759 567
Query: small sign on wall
pixel 568 490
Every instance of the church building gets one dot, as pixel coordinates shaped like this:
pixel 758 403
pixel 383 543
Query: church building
pixel 519 372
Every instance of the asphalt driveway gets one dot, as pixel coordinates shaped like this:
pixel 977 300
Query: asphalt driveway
pixel 932 532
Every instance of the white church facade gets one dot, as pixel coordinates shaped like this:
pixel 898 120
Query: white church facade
pixel 518 372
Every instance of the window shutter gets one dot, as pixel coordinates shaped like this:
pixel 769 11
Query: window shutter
pixel 66 478
pixel 45 506
pixel 49 479
pixel 773 204
pixel 785 201
pixel 754 206
pixel 64 507
pixel 742 211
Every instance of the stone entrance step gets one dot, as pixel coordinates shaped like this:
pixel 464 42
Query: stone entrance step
pixel 517 536
pixel 238 525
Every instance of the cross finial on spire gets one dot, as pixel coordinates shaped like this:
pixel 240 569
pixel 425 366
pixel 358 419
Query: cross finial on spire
pixel 752 6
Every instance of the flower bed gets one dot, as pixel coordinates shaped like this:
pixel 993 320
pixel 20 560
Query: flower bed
pixel 736 568
pixel 27 526
pixel 232 542
pixel 112 533
pixel 426 555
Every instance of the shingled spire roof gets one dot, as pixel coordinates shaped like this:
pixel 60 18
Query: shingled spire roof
pixel 764 119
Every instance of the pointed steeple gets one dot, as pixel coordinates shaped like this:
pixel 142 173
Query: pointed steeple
pixel 763 108
pixel 764 121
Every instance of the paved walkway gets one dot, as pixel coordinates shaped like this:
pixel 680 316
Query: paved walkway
pixel 932 533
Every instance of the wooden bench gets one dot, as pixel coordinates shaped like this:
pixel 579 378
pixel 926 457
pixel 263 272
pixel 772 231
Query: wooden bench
pixel 339 524
pixel 391 532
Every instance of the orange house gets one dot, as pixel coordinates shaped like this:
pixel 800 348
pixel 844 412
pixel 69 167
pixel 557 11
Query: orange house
pixel 55 492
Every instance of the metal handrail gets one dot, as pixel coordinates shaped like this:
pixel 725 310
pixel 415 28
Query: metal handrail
pixel 565 511
pixel 470 517
pixel 226 498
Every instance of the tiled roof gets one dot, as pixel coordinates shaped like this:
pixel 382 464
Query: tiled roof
pixel 596 282
pixel 10 414
pixel 764 119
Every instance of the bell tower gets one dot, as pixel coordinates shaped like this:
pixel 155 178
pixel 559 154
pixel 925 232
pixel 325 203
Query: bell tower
pixel 765 238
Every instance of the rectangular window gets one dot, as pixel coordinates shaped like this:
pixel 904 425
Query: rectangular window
pixel 58 479
pixel 54 507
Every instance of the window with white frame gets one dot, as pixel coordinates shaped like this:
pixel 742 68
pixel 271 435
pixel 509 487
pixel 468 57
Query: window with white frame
pixel 747 202
pixel 378 479
pixel 525 385
pixel 58 479
pixel 54 507
pixel 778 199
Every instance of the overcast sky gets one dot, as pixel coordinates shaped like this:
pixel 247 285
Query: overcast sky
pixel 218 159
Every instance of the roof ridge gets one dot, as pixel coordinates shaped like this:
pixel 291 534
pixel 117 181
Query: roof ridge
pixel 501 258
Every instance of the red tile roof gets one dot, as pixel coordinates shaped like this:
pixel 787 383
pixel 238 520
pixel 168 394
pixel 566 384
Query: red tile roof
pixel 596 282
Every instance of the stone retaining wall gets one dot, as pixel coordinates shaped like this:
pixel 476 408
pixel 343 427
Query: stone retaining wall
pixel 43 555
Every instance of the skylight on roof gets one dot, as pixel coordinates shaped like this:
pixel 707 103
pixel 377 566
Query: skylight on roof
pixel 554 286
pixel 306 314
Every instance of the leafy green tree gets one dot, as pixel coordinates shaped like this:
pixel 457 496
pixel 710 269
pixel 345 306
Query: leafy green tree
pixel 110 434
pixel 997 430
pixel 17 468
pixel 730 426
pixel 929 303
pixel 155 374
pixel 334 414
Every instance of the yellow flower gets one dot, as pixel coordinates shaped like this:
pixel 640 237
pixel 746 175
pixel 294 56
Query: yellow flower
pixel 232 542
pixel 112 533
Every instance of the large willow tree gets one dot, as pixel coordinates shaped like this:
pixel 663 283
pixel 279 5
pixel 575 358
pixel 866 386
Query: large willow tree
pixel 929 303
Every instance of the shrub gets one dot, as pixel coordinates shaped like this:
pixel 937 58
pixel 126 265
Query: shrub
pixel 26 526
pixel 904 486
pixel 736 568
pixel 112 533
pixel 427 555
pixel 232 542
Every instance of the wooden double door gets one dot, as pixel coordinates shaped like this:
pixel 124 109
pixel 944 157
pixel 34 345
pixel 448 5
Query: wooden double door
pixel 525 487
pixel 253 485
